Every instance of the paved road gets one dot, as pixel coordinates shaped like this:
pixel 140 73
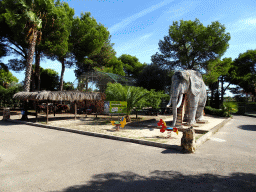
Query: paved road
pixel 40 159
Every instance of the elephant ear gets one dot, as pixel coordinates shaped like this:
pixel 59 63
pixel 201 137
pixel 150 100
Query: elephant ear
pixel 196 82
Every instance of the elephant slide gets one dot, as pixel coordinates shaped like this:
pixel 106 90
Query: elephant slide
pixel 188 83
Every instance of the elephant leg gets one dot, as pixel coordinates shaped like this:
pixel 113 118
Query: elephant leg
pixel 199 113
pixel 192 115
pixel 200 109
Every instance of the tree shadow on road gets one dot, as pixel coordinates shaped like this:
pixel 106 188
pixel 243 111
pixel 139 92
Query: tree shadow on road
pixel 7 123
pixel 248 127
pixel 167 181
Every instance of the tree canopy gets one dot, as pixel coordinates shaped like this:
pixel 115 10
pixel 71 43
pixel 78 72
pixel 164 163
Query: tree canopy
pixel 68 86
pixel 243 72
pixel 154 77
pixel 114 66
pixel 8 86
pixel 6 78
pixel 25 17
pixel 132 66
pixel 59 46
pixel 103 60
pixel 215 69
pixel 87 37
pixel 190 45
pixel 49 79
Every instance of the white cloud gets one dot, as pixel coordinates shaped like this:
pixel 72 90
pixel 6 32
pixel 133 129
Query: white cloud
pixel 145 37
pixel 242 25
pixel 180 9
pixel 250 21
pixel 134 44
pixel 142 13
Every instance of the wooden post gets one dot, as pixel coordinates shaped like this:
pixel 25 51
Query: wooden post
pixel 95 105
pixel 36 111
pixel 54 108
pixel 75 109
pixel 85 108
pixel 46 112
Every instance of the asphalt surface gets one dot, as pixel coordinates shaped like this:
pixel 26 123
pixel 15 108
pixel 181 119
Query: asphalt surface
pixel 40 159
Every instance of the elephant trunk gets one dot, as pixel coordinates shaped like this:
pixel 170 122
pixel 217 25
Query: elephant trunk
pixel 176 102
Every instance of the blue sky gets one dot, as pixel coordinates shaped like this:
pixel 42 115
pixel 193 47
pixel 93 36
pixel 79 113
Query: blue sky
pixel 136 26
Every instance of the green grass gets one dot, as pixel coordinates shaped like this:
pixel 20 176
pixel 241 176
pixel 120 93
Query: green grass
pixel 42 122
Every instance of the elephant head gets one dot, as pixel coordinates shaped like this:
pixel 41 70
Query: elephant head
pixel 183 82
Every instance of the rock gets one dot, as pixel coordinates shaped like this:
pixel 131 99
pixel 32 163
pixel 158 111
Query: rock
pixel 188 140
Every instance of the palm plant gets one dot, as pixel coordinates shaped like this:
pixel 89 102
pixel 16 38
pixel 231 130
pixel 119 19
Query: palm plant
pixel 229 107
pixel 133 95
pixel 24 16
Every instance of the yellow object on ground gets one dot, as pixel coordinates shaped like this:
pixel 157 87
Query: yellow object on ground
pixel 118 123
pixel 123 123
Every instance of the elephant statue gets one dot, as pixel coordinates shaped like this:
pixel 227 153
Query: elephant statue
pixel 189 83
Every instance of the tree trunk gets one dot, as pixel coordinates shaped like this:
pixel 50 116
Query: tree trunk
pixel 31 51
pixel 37 69
pixel 33 86
pixel 222 90
pixel 217 100
pixel 86 83
pixel 62 73
pixel 211 87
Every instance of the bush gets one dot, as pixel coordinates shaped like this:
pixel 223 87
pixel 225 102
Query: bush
pixel 229 107
pixel 226 109
pixel 212 111
pixel 136 97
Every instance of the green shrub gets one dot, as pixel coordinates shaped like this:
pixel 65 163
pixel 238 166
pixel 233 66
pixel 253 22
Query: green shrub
pixel 212 111
pixel 229 107
pixel 226 109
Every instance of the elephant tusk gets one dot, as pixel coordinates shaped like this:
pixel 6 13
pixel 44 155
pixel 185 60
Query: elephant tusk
pixel 170 102
pixel 180 100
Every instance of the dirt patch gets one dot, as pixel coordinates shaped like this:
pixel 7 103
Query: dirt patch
pixel 135 132
pixel 144 128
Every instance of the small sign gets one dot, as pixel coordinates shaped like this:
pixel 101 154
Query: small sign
pixel 115 107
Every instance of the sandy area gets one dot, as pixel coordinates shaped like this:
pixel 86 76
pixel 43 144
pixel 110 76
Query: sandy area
pixel 144 130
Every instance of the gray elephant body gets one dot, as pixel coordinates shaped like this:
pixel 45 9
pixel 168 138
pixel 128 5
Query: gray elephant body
pixel 190 83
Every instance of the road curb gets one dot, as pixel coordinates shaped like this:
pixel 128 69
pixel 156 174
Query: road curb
pixel 143 142
pixel 199 142
pixel 249 115
pixel 212 131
